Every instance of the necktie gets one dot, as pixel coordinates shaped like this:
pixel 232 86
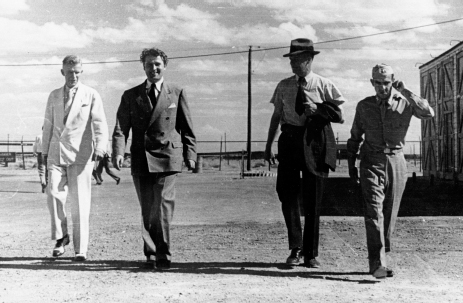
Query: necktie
pixel 300 98
pixel 67 104
pixel 152 95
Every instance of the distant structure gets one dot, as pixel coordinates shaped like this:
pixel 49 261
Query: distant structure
pixel 441 84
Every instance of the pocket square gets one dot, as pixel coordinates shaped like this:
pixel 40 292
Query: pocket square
pixel 172 105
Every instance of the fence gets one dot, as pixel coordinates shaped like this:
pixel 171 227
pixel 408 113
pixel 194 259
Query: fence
pixel 223 149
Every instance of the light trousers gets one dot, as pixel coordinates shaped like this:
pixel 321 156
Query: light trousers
pixel 383 178
pixel 70 184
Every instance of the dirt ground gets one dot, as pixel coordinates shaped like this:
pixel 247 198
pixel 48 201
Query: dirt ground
pixel 229 244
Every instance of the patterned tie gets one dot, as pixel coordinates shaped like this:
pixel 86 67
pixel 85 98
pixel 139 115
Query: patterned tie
pixel 67 103
pixel 300 98
pixel 152 95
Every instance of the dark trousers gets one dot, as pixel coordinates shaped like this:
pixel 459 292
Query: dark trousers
pixel 289 187
pixel 383 178
pixel 156 194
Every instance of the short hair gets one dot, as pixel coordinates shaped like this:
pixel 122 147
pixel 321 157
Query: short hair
pixel 71 60
pixel 153 52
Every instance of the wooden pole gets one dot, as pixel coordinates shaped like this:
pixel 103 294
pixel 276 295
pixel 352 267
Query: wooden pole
pixel 228 156
pixel 220 154
pixel 249 109
pixel 22 151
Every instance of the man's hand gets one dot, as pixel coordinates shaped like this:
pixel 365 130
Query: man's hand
pixel 269 156
pixel 354 175
pixel 310 109
pixel 117 161
pixel 43 182
pixel 398 85
pixel 97 155
pixel 190 164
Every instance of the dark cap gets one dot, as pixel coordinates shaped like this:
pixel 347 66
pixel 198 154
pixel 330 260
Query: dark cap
pixel 299 46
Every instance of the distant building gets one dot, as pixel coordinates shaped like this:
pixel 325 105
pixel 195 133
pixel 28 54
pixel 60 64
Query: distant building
pixel 441 85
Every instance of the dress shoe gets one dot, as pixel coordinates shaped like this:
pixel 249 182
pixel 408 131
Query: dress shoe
pixel 163 264
pixel 118 181
pixel 295 256
pixel 312 263
pixel 389 272
pixel 380 272
pixel 80 257
pixel 59 247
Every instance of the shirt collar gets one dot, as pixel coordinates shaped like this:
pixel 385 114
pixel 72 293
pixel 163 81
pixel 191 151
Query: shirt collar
pixel 388 100
pixel 307 77
pixel 66 88
pixel 158 84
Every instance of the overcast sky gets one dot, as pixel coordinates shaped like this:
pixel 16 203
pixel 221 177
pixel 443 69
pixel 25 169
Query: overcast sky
pixel 44 31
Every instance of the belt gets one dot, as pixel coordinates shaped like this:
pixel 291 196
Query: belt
pixel 292 129
pixel 389 151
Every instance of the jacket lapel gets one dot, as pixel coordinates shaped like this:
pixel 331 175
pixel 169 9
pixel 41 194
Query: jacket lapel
pixel 76 104
pixel 162 102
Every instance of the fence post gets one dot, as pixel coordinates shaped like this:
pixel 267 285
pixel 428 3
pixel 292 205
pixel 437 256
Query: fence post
pixel 220 155
pixel 22 151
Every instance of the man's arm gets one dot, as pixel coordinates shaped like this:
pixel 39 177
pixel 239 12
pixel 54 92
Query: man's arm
pixel 185 124
pixel 421 108
pixel 272 134
pixel 100 127
pixel 121 132
pixel 353 145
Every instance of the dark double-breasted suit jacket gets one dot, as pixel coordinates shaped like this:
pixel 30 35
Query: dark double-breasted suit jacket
pixel 161 138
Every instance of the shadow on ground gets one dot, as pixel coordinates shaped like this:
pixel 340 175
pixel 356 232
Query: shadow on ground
pixel 420 198
pixel 212 268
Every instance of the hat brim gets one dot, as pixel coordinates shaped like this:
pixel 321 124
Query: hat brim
pixel 300 52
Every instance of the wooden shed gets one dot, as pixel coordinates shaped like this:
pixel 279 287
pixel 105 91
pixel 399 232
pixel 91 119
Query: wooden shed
pixel 441 85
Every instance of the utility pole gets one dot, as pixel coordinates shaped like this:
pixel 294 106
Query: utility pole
pixel 248 167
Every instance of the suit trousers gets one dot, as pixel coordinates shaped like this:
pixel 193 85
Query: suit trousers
pixel 289 184
pixel 71 184
pixel 382 178
pixel 156 194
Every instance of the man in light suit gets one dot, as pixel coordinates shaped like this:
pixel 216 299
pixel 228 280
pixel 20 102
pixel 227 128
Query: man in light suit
pixel 162 138
pixel 69 148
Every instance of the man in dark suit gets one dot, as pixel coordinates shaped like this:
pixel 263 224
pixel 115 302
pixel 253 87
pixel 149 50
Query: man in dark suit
pixel 162 138
pixel 304 104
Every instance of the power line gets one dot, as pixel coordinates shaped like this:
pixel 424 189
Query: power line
pixel 246 51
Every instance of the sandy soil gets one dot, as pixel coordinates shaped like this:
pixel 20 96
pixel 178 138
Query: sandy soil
pixel 228 243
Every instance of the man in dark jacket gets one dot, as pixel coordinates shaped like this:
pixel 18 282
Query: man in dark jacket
pixel 162 138
pixel 305 105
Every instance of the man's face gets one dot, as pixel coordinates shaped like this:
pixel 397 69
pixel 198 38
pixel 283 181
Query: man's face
pixel 71 74
pixel 383 86
pixel 301 64
pixel 154 68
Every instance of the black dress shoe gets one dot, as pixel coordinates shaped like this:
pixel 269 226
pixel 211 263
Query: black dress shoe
pixel 163 264
pixel 389 272
pixel 58 250
pixel 295 256
pixel 312 263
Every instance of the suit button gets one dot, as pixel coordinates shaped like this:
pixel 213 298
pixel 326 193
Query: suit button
pixel 162 134
pixel 167 118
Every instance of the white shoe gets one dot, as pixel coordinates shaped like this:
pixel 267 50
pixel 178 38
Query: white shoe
pixel 80 257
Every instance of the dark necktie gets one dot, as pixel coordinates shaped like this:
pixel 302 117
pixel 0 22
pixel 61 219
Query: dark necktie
pixel 300 98
pixel 152 95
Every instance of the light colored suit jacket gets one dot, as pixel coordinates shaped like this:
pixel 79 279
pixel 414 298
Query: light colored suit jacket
pixel 74 142
pixel 161 137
